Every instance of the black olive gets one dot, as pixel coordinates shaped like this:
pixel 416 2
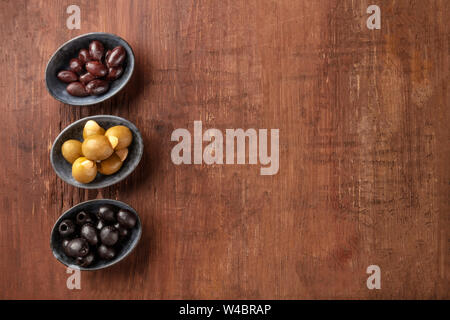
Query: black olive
pixel 89 233
pixel 86 261
pixel 66 248
pixel 105 252
pixel 109 235
pixel 100 224
pixel 66 228
pixel 83 218
pixel 106 213
pixel 65 243
pixel 78 247
pixel 126 218
pixel 123 232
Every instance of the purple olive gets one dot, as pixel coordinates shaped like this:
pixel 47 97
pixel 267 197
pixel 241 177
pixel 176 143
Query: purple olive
pixel 96 68
pixel 77 89
pixel 67 76
pixel 76 66
pixel 84 56
pixel 117 57
pixel 87 77
pixel 106 57
pixel 96 50
pixel 97 87
pixel 114 73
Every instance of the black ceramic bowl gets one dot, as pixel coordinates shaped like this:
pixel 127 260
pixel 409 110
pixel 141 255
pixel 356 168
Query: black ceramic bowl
pixel 60 61
pixel 75 131
pixel 122 250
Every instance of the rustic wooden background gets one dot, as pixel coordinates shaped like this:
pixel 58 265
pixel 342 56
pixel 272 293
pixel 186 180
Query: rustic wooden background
pixel 364 149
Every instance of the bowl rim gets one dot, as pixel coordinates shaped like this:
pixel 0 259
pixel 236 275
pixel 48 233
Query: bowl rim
pixel 86 185
pixel 81 205
pixel 102 97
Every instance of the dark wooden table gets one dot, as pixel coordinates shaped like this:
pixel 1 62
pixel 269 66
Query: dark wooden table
pixel 364 149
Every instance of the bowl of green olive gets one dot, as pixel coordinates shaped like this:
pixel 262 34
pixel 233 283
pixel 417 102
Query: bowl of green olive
pixel 95 234
pixel 97 152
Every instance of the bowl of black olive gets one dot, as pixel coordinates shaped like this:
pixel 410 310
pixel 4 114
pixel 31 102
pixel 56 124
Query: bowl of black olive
pixel 95 234
pixel 89 69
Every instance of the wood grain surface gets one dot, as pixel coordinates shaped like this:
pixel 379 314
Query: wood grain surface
pixel 364 149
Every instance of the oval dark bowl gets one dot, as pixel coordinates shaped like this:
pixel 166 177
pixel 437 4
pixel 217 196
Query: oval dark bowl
pixel 60 61
pixel 90 207
pixel 75 131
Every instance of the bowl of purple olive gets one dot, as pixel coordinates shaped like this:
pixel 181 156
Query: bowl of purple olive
pixel 89 69
pixel 95 234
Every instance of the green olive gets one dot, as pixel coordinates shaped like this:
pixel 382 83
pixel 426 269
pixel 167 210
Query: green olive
pixel 71 150
pixel 84 170
pixel 110 165
pixel 123 134
pixel 97 147
pixel 91 127
pixel 122 154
